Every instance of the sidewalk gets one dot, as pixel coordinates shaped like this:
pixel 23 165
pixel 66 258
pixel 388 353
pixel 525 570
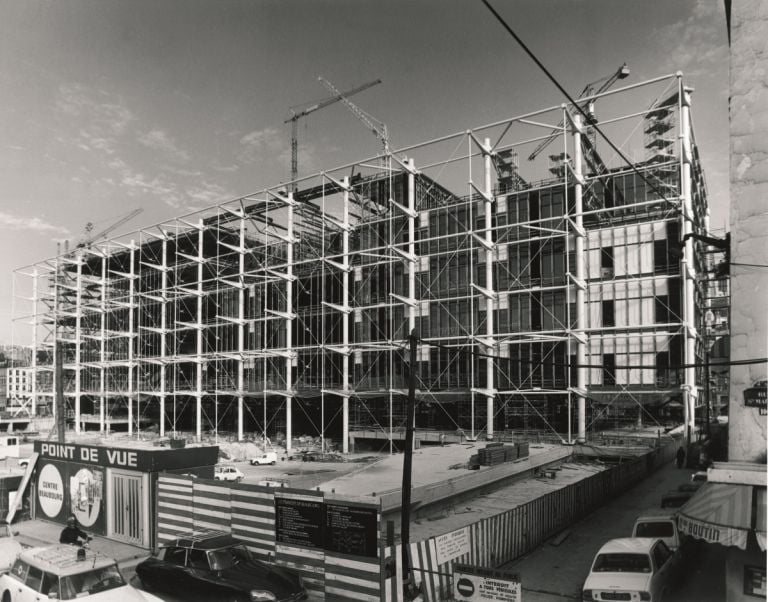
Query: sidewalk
pixel 36 533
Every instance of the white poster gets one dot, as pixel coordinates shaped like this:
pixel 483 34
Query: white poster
pixel 50 491
pixel 452 545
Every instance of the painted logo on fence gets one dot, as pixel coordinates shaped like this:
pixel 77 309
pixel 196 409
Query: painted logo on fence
pixel 50 491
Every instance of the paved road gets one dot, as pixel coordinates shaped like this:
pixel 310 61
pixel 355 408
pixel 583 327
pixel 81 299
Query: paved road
pixel 557 573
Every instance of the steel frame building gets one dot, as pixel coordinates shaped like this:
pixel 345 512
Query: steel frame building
pixel 543 294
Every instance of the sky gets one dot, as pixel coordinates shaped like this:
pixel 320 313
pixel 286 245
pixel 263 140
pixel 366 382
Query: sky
pixel 107 106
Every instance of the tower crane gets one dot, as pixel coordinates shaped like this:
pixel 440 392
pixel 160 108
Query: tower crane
pixel 294 121
pixel 90 238
pixel 378 128
pixel 589 90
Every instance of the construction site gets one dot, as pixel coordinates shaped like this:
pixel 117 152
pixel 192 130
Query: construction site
pixel 548 278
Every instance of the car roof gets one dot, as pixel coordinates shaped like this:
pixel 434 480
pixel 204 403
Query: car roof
pixel 629 545
pixel 204 539
pixel 62 559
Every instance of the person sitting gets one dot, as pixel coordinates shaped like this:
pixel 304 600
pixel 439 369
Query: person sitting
pixel 72 534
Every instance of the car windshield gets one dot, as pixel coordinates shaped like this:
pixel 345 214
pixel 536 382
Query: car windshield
pixel 224 558
pixel 90 582
pixel 622 563
pixel 659 529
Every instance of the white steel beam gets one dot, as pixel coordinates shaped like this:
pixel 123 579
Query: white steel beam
pixel 289 317
pixel 490 303
pixel 581 306
pixel 103 345
pixel 163 333
pixel 199 328
pixel 78 341
pixel 346 310
pixel 688 266
pixel 131 332
pixel 240 334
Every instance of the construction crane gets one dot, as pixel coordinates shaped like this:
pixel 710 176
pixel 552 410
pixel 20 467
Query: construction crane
pixel 294 121
pixel 90 238
pixel 378 128
pixel 589 90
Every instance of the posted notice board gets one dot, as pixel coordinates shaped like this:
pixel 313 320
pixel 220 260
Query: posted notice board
pixel 336 526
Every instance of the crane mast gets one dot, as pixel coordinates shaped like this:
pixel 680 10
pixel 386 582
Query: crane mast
pixel 294 121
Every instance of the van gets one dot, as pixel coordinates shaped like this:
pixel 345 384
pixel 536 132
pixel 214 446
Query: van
pixel 267 458
pixel 663 526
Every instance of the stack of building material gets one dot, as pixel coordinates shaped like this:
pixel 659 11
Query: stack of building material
pixel 510 453
pixel 493 454
pixel 522 450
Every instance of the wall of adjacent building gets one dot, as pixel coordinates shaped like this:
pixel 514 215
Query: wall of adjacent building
pixel 749 224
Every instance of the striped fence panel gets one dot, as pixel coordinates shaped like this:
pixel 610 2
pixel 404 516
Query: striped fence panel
pixel 307 562
pixel 508 535
pixel 352 578
pixel 174 507
pixel 211 505
pixel 253 518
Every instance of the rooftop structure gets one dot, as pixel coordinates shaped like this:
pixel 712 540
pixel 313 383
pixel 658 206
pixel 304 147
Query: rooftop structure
pixel 543 294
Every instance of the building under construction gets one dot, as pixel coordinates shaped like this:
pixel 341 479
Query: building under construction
pixel 548 277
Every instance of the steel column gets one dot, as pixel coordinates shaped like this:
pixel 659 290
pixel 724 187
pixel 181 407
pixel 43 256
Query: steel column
pixel 581 313
pixel 490 303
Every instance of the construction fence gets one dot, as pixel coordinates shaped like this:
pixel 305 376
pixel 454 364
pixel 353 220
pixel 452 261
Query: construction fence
pixel 373 573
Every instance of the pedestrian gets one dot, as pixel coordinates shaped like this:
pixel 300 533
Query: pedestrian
pixel 680 457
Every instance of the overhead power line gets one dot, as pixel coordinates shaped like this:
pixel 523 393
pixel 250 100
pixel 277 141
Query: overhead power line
pixel 573 102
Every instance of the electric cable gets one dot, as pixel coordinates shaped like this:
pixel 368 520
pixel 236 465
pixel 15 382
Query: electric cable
pixel 571 100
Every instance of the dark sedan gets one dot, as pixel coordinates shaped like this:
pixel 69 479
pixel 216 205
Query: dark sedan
pixel 213 565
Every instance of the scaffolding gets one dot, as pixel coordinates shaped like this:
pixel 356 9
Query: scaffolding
pixel 544 296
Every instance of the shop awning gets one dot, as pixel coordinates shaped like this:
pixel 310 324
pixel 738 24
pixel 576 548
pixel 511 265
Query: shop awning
pixel 725 513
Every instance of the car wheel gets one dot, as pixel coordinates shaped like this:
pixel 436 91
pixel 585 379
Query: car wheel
pixel 272 462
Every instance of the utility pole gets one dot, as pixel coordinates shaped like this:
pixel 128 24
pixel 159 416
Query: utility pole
pixel 405 512
pixel 61 419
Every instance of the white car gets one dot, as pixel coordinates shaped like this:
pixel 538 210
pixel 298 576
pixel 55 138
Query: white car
pixel 228 473
pixel 64 572
pixel 9 548
pixel 267 458
pixel 632 569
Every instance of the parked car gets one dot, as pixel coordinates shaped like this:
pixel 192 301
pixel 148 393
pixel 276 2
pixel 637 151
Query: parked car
pixel 65 572
pixel 9 548
pixel 267 458
pixel 225 472
pixel 632 568
pixel 676 499
pixel 213 565
pixel 700 476
pixel 661 525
